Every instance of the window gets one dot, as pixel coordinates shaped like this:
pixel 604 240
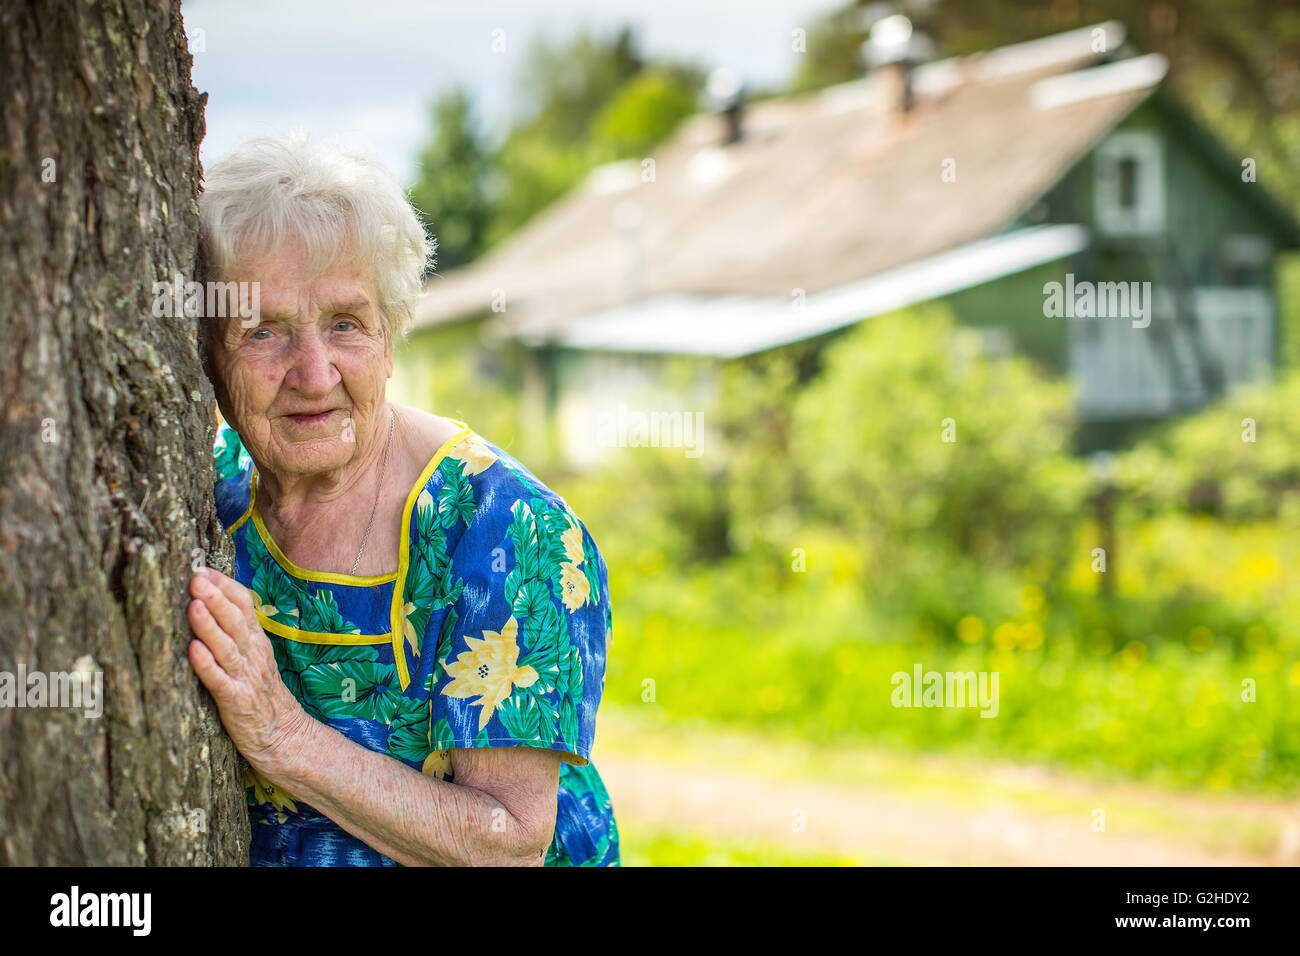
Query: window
pixel 1130 188
pixel 1236 329
pixel 1125 372
pixel 1244 260
pixel 1128 171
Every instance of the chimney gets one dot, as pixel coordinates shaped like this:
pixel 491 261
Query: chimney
pixel 725 94
pixel 892 51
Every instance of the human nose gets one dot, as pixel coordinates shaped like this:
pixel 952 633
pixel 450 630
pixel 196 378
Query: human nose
pixel 311 368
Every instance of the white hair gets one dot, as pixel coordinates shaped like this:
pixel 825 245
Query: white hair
pixel 339 203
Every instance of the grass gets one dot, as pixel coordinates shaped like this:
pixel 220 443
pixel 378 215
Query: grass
pixel 1216 822
pixel 1185 705
pixel 650 846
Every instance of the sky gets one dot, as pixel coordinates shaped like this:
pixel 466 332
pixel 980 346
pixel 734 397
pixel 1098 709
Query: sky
pixel 366 70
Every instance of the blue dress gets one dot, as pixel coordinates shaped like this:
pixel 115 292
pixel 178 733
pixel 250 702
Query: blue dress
pixel 492 633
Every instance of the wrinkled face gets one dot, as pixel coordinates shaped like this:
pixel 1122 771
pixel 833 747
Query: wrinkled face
pixel 304 386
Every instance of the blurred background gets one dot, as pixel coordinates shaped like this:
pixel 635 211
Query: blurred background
pixel 868 338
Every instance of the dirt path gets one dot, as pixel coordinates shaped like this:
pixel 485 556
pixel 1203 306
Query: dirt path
pixel 1010 816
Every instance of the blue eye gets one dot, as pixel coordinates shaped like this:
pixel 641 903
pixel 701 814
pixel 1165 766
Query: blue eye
pixel 257 334
pixel 347 325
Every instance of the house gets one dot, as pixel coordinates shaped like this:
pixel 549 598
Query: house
pixel 1050 192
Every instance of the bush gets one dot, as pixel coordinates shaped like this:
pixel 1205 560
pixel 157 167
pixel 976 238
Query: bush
pixel 869 435
pixel 1205 463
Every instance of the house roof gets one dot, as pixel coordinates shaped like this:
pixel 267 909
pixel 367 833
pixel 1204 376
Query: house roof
pixel 823 191
pixel 729 326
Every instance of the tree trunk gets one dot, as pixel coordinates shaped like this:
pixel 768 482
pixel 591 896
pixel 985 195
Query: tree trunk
pixel 105 448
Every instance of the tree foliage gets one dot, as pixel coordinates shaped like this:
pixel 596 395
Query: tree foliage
pixel 585 102
pixel 452 189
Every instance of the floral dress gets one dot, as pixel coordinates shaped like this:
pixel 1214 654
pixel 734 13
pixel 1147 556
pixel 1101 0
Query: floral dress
pixel 492 633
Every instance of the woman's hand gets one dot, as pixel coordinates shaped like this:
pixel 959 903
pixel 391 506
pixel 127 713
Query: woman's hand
pixel 234 660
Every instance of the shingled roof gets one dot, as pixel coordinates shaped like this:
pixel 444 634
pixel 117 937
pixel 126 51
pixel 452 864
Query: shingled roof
pixel 823 190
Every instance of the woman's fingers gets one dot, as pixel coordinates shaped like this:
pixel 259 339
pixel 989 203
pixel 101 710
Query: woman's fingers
pixel 213 676
pixel 235 593
pixel 214 637
pixel 234 660
pixel 229 618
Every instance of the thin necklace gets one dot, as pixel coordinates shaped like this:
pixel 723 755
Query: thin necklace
pixel 392 420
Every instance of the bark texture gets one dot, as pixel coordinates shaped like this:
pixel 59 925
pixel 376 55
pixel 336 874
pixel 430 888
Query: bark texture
pixel 105 443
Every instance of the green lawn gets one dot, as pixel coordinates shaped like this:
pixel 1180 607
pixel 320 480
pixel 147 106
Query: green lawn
pixel 668 847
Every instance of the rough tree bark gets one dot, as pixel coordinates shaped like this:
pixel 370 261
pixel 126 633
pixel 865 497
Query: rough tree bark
pixel 105 444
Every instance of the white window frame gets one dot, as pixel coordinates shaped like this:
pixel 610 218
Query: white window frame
pixel 1237 322
pixel 1147 217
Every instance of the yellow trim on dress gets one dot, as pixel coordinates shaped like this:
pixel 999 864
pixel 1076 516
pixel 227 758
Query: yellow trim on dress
pixel 404 549
pixel 323 577
pixel 316 637
pixel 252 496
pixel 330 577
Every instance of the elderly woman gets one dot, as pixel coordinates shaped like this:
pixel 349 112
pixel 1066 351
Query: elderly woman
pixel 412 649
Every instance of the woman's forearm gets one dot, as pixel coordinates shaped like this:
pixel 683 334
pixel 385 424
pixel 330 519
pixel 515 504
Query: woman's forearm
pixel 412 818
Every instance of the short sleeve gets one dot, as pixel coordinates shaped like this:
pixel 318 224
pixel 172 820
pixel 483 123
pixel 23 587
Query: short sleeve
pixel 232 489
pixel 521 650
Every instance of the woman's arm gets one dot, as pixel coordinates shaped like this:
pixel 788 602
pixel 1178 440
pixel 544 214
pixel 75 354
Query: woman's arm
pixel 500 811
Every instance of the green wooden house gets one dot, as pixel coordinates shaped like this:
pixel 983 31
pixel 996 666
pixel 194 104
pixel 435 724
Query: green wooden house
pixel 1050 192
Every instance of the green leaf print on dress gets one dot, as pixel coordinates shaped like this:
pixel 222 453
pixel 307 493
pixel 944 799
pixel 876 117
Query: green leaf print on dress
pixel 343 689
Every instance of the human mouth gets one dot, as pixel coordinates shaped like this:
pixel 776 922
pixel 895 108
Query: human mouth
pixel 310 418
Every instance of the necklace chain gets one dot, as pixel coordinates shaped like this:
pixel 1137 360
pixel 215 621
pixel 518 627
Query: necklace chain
pixel 392 420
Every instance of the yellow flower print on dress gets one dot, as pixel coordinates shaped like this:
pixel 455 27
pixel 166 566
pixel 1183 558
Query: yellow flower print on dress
pixel 474 454
pixel 488 669
pixel 266 792
pixel 574 587
pixel 573 543
pixel 270 610
pixel 408 629
pixel 437 764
